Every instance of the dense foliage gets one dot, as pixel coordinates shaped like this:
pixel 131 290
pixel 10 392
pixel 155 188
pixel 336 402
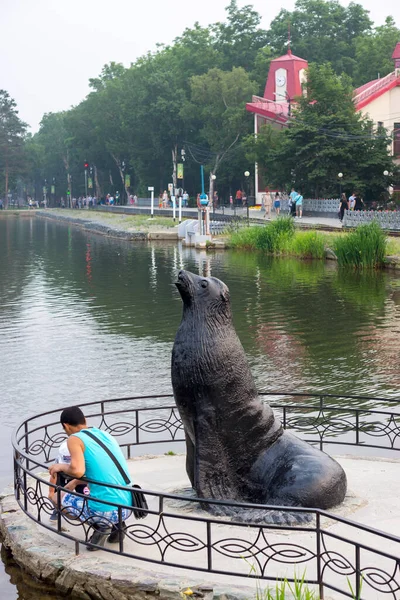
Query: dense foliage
pixel 191 96
pixel 12 137
pixel 326 137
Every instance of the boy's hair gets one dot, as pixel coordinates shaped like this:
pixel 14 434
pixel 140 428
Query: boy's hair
pixel 72 416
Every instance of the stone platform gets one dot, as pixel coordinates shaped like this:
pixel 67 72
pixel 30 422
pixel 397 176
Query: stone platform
pixel 105 576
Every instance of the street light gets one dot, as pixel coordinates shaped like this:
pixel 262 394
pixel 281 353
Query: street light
pixel 386 173
pixel 247 175
pixel 340 175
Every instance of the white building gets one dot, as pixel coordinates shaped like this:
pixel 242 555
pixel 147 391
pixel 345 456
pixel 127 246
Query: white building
pixel 379 99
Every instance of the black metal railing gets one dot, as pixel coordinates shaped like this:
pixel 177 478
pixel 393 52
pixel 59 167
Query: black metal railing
pixel 335 552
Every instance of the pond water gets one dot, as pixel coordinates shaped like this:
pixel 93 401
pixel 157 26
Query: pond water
pixel 83 317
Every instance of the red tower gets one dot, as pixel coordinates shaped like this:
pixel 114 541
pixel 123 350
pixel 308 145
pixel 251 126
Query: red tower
pixel 396 56
pixel 286 77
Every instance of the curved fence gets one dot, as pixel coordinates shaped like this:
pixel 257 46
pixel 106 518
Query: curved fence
pixel 387 219
pixel 182 531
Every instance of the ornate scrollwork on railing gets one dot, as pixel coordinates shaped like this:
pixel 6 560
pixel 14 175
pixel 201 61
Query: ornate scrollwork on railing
pixel 161 537
pixel 206 542
pixel 383 580
pixel 46 445
pixel 172 425
pixel 389 429
pixel 262 551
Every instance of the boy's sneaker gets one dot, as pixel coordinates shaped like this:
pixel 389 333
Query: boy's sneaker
pixel 113 538
pixel 99 537
pixel 54 515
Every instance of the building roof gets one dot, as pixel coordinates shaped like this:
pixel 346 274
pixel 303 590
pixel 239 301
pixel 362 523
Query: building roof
pixel 396 51
pixel 373 89
pixel 288 56
pixel 364 87
pixel 274 111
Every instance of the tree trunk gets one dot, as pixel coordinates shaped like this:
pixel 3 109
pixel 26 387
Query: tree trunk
pixel 121 173
pixel 99 191
pixel 174 168
pixel 6 184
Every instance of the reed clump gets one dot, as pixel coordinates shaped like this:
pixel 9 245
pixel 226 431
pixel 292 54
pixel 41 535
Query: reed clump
pixel 279 238
pixel 363 248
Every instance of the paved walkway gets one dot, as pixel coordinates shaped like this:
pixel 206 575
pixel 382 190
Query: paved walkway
pixel 324 221
pixel 373 492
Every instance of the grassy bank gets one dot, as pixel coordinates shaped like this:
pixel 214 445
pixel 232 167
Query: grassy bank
pixel 142 222
pixel 364 247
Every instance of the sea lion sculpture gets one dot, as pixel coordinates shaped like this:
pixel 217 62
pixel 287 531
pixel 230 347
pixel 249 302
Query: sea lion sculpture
pixel 236 449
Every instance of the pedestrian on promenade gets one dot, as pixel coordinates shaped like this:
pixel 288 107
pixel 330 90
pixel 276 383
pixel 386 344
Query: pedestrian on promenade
pixel 90 451
pixel 165 199
pixel 215 199
pixel 277 204
pixel 267 200
pixel 352 201
pixel 293 195
pixel 358 202
pixel 344 205
pixel 185 198
pixel 238 197
pixel 299 206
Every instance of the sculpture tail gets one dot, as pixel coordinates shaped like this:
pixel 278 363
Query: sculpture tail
pixel 260 516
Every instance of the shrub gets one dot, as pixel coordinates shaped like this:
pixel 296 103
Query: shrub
pixel 308 244
pixel 364 247
pixel 272 238
pixel 245 238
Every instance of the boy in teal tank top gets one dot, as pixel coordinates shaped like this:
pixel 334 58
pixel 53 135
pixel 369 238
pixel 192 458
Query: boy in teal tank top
pixel 90 460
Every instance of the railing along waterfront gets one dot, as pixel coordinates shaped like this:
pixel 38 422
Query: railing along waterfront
pixel 333 551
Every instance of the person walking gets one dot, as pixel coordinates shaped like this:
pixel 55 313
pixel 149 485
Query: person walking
pixel 344 205
pixel 89 451
pixel 352 201
pixel 299 206
pixel 267 204
pixel 238 197
pixel 358 202
pixel 277 203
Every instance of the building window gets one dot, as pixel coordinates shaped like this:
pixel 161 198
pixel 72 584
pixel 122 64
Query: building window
pixel 396 139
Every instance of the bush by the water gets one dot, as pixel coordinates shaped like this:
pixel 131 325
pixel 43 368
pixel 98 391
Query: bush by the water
pixel 280 237
pixel 272 238
pixel 308 244
pixel 365 247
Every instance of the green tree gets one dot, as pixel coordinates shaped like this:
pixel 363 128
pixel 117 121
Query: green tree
pixel 326 136
pixel 55 154
pixel 217 109
pixel 239 39
pixel 12 135
pixel 374 52
pixel 321 31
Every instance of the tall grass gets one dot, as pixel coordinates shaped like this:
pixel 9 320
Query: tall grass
pixel 365 247
pixel 280 237
pixel 272 238
pixel 308 244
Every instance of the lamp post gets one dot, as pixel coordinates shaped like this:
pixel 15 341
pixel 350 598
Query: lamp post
pixel 213 177
pixel 386 174
pixel 45 193
pixel 53 191
pixel 340 175
pixel 247 175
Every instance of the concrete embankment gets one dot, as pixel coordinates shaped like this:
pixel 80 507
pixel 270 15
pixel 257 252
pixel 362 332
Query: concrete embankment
pixel 178 535
pixel 109 229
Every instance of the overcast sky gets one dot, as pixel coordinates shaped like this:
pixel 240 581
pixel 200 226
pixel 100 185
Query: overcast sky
pixel 50 48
